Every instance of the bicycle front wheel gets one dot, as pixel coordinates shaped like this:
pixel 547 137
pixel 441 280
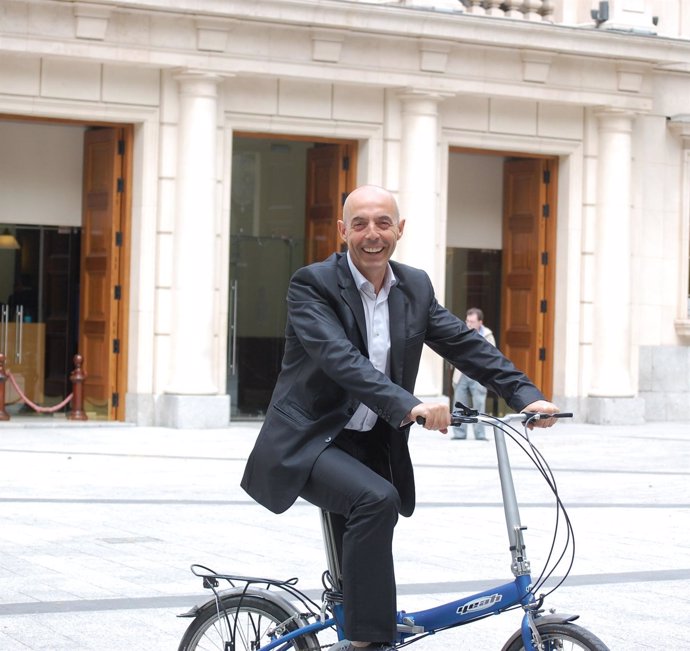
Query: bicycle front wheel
pixel 561 637
pixel 243 623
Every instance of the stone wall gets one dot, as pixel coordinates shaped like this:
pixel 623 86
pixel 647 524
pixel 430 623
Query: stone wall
pixel 665 382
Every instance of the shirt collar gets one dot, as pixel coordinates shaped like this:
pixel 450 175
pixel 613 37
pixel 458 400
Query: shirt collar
pixel 365 285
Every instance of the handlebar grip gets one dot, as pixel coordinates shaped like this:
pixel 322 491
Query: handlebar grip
pixel 542 416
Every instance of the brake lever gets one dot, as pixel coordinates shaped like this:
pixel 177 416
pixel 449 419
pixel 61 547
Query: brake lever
pixel 455 419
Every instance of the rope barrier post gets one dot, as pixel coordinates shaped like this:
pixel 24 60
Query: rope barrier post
pixel 3 378
pixel 77 377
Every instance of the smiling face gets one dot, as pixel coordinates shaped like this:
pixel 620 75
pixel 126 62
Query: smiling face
pixel 371 228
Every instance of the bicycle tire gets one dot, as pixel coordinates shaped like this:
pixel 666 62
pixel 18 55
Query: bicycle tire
pixel 561 637
pixel 251 617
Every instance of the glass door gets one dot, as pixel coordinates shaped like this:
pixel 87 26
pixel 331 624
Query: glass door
pixel 260 268
pixel 266 247
pixel 39 307
pixel 285 194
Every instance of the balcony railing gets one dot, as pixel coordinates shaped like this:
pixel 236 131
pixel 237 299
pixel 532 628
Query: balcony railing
pixel 534 10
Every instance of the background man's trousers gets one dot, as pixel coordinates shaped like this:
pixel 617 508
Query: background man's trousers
pixel 351 480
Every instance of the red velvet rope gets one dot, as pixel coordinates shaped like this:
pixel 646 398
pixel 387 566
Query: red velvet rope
pixel 33 405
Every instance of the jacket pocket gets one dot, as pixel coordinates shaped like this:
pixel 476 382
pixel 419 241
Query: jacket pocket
pixel 293 412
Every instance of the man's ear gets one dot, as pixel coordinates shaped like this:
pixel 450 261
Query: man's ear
pixel 342 231
pixel 401 227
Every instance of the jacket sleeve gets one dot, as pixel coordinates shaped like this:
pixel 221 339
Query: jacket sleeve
pixel 470 352
pixel 315 322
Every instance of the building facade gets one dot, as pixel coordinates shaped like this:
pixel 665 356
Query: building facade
pixel 165 167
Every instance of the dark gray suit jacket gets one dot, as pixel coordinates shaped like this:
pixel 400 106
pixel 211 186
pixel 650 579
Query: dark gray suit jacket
pixel 326 374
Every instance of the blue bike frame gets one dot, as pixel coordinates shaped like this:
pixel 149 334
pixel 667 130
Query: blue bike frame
pixel 462 611
pixel 455 613
pixel 489 602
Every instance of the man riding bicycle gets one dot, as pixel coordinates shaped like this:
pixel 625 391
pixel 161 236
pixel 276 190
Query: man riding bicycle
pixel 336 429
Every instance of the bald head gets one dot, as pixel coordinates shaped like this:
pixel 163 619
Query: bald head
pixel 370 193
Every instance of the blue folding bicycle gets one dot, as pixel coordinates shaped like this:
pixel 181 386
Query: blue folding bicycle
pixel 260 614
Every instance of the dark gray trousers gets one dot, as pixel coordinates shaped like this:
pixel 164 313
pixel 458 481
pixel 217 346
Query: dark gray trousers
pixel 350 479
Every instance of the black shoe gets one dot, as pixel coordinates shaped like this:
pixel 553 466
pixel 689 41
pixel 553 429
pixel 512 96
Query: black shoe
pixel 345 645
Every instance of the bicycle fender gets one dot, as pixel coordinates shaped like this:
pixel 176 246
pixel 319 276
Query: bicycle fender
pixel 552 618
pixel 275 597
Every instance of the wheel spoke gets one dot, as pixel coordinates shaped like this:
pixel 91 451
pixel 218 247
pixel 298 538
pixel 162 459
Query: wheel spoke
pixel 250 619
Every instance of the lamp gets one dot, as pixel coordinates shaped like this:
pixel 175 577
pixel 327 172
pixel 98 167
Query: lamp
pixel 8 241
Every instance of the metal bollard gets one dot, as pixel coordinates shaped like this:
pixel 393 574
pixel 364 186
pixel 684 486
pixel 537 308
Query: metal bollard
pixel 3 378
pixel 77 376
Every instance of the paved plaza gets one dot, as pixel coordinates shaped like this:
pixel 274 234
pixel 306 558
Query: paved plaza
pixel 99 525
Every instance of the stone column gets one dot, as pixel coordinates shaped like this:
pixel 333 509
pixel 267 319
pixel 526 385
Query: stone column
pixel 612 394
pixel 423 241
pixel 192 398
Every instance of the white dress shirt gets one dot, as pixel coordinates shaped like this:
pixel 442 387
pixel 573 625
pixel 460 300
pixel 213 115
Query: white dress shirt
pixel 378 336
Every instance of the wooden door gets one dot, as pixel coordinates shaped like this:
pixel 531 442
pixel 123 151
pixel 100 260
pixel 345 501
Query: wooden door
pixel 330 177
pixel 102 295
pixel 529 230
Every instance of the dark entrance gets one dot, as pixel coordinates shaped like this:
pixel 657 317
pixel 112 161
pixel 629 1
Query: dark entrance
pixel 40 311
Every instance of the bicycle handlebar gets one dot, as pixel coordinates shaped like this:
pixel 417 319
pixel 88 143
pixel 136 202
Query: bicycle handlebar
pixel 460 418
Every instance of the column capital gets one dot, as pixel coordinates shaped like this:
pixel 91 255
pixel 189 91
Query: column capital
pixel 421 101
pixel 615 119
pixel 198 82
pixel 412 93
pixel 680 125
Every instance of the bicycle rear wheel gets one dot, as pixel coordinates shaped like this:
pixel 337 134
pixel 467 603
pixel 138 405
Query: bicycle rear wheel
pixel 243 623
pixel 561 637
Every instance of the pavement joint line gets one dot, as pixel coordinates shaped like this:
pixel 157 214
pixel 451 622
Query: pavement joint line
pixel 250 503
pixel 126 455
pixel 473 467
pixel 410 589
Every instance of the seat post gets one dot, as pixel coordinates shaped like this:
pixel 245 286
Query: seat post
pixel 331 551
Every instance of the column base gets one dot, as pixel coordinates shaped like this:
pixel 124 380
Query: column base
pixel 575 405
pixel 140 409
pixel 435 398
pixel 193 412
pixel 615 411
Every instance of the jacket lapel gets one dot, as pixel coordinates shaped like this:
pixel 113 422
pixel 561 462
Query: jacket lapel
pixel 350 295
pixel 396 313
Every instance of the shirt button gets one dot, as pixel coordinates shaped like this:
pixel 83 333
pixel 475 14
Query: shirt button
pixel 329 439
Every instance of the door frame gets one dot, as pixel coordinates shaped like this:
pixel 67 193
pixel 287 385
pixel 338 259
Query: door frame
pixel 123 310
pixel 351 149
pixel 546 336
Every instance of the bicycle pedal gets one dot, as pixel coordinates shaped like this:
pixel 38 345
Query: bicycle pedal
pixel 408 626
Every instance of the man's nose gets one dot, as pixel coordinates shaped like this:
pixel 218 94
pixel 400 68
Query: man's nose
pixel 372 229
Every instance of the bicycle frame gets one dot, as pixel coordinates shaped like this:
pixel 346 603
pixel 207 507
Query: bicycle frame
pixel 488 602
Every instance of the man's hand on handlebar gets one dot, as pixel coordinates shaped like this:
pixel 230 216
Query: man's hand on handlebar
pixel 541 407
pixel 435 414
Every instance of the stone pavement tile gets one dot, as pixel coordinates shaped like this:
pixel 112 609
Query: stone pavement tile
pixel 145 630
